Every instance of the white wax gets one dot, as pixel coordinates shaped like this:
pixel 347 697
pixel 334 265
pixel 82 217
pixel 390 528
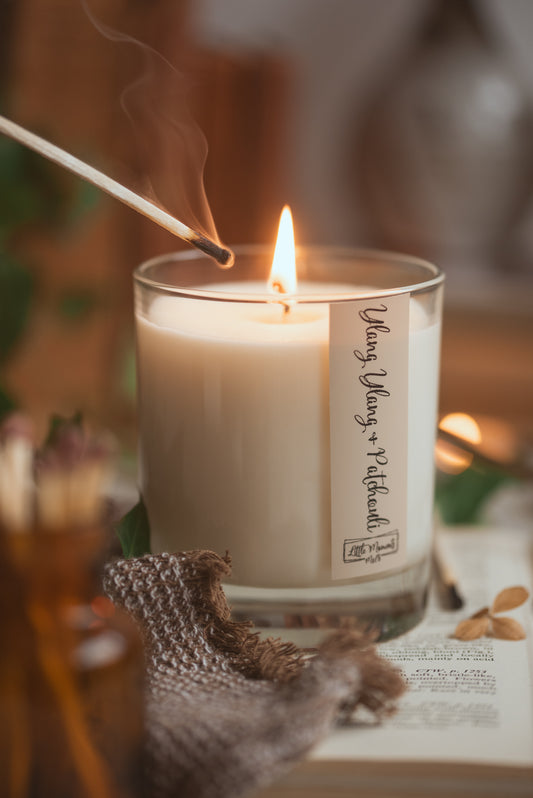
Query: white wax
pixel 234 431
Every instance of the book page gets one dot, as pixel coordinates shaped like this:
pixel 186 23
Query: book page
pixel 467 702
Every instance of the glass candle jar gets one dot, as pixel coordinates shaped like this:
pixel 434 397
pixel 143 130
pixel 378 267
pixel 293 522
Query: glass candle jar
pixel 71 672
pixel 294 430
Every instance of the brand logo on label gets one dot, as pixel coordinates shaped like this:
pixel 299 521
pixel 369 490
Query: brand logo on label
pixel 371 549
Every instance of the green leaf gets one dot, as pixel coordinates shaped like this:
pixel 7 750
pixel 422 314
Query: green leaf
pixel 460 498
pixel 133 531
pixel 16 290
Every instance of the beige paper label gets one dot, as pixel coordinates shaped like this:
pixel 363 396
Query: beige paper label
pixel 368 376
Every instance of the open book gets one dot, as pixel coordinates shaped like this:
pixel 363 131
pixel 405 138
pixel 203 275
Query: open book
pixel 465 725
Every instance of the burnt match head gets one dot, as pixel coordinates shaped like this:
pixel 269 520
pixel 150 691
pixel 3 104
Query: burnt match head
pixel 224 257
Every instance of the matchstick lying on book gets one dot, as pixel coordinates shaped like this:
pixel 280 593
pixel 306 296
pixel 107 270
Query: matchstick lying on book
pixel 519 465
pixel 448 587
pixel 223 256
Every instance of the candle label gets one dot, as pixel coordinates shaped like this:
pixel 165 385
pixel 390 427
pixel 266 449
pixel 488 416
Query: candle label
pixel 369 365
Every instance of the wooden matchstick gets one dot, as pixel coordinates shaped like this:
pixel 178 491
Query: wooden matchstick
pixel 224 257
pixel 16 478
pixel 521 466
pixel 444 572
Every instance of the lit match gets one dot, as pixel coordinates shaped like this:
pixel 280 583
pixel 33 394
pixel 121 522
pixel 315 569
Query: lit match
pixel 223 256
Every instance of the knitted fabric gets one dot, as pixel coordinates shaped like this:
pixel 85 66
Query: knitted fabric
pixel 227 712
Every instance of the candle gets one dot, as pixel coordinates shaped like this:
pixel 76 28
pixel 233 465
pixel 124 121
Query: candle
pixel 235 412
pixel 235 432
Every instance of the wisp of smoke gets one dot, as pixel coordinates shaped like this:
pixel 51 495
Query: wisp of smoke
pixel 172 148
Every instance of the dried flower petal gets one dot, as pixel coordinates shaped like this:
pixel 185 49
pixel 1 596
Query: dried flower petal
pixel 472 628
pixel 507 629
pixel 509 598
pixel 481 613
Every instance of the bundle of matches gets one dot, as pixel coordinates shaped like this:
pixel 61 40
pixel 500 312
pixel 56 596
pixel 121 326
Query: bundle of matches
pixel 57 487
pixel 45 574
pixel 71 473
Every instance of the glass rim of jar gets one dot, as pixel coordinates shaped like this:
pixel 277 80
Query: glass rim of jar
pixel 435 275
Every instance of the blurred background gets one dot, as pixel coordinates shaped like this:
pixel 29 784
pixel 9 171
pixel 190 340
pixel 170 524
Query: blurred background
pixel 404 125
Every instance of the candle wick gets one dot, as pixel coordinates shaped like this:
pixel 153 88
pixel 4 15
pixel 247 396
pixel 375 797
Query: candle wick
pixel 277 285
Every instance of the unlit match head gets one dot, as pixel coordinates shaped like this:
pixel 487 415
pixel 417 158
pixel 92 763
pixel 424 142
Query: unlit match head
pixel 224 257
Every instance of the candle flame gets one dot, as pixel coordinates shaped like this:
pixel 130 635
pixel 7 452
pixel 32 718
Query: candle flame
pixel 282 278
pixel 451 459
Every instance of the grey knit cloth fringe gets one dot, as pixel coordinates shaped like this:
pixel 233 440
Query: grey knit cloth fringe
pixel 227 712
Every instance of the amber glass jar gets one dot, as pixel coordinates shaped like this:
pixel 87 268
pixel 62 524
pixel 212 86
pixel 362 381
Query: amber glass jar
pixel 71 720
